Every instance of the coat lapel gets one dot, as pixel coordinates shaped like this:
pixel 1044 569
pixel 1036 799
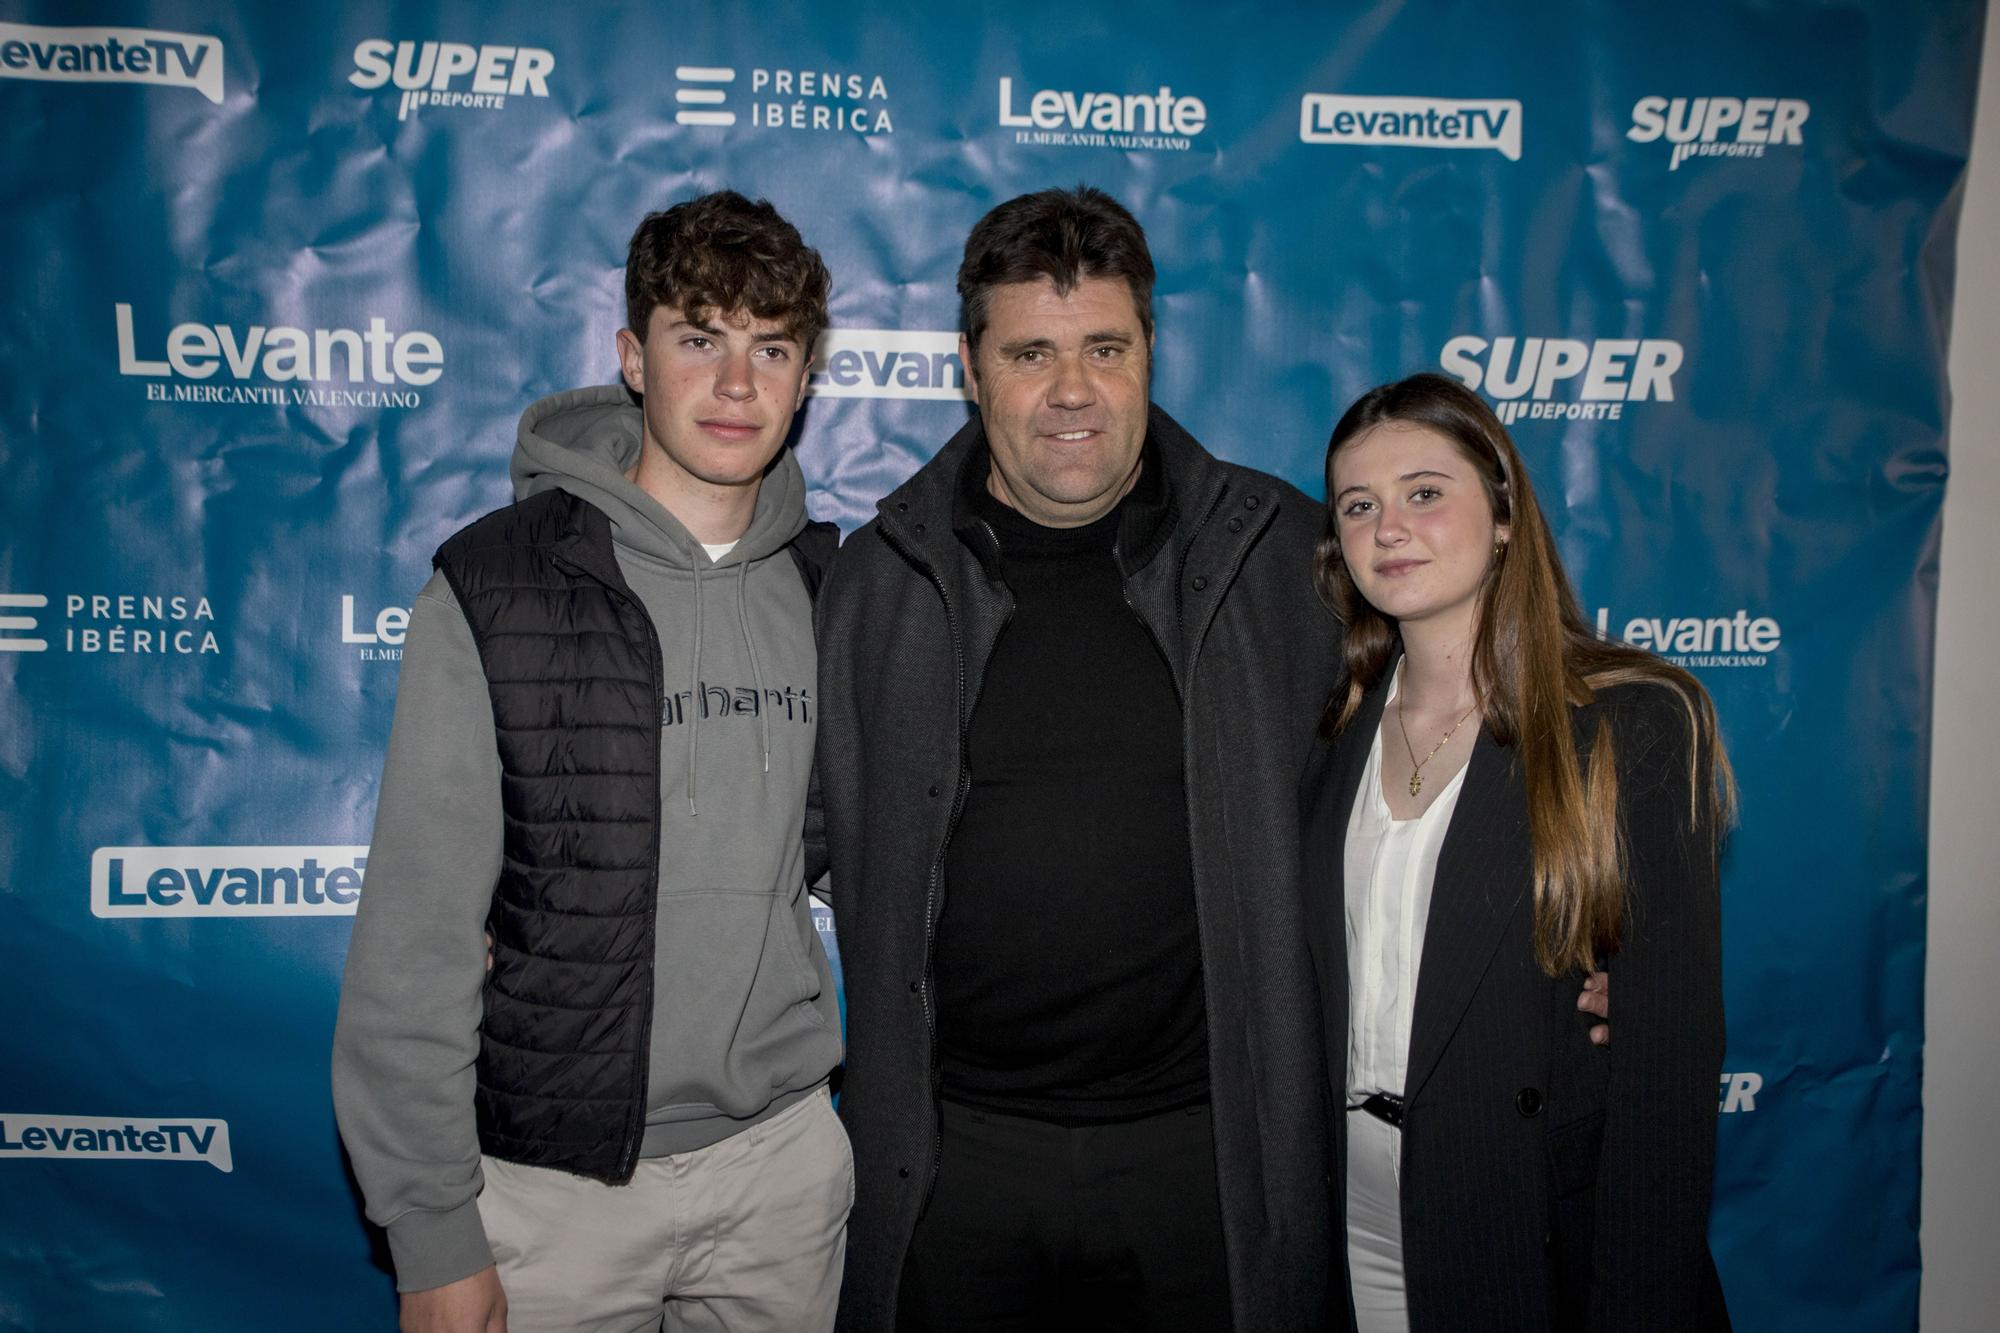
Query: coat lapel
pixel 1326 798
pixel 1478 887
pixel 1342 778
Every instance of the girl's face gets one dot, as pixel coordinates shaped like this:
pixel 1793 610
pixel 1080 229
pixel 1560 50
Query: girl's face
pixel 1416 527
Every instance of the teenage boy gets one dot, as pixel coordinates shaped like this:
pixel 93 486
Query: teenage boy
pixel 603 737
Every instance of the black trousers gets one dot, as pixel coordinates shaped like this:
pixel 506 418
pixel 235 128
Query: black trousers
pixel 1037 1228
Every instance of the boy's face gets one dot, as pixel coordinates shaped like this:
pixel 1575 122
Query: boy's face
pixel 718 392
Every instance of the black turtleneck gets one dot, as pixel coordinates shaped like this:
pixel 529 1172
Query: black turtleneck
pixel 1068 965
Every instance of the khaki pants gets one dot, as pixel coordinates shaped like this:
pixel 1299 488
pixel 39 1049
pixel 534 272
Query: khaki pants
pixel 743 1236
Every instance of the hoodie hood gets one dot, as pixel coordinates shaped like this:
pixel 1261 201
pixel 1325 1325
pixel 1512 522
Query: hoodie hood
pixel 586 440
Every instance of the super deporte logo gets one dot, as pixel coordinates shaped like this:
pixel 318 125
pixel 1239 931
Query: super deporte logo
pixel 1159 120
pixel 120 624
pixel 1412 122
pixel 1564 379
pixel 451 74
pixel 888 363
pixel 1738 640
pixel 850 101
pixel 1718 126
pixel 284 366
pixel 223 882
pixel 1738 1092
pixel 102 1138
pixel 112 55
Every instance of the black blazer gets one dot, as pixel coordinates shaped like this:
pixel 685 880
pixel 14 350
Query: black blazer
pixel 1547 1183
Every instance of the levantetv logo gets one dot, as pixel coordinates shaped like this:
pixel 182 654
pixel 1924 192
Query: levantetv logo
pixel 99 1138
pixel 887 363
pixel 214 882
pixel 1412 122
pixel 112 55
pixel 1695 125
pixel 451 74
pixel 288 357
pixel 1159 120
pixel 1524 375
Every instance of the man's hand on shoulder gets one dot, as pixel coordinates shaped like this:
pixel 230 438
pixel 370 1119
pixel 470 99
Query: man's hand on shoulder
pixel 1596 999
pixel 473 1304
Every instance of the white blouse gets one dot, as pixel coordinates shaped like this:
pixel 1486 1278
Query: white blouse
pixel 1389 868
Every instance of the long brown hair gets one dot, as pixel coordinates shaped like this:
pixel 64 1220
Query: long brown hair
pixel 1534 658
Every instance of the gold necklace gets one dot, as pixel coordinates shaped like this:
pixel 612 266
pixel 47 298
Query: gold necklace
pixel 1417 773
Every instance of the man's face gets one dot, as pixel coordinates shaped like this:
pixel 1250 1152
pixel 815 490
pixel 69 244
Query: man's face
pixel 718 396
pixel 1061 387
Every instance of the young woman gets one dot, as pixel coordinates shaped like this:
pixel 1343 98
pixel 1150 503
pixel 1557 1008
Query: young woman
pixel 1502 802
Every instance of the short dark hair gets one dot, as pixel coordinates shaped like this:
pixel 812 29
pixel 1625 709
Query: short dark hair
pixel 723 252
pixel 1062 235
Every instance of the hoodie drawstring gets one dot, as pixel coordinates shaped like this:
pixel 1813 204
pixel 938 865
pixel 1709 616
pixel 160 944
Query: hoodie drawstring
pixel 694 674
pixel 756 674
pixel 697 703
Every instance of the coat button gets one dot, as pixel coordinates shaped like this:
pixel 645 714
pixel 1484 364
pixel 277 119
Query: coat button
pixel 1251 502
pixel 902 506
pixel 1236 525
pixel 1528 1101
pixel 914 987
pixel 934 789
pixel 920 529
pixel 1199 583
pixel 903 1172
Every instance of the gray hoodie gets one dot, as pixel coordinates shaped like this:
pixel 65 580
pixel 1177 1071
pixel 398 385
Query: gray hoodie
pixel 745 1020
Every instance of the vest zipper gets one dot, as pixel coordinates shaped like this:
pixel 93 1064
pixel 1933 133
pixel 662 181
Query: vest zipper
pixel 635 1125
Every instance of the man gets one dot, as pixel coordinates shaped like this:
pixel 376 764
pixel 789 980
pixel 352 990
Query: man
pixel 1070 672
pixel 602 745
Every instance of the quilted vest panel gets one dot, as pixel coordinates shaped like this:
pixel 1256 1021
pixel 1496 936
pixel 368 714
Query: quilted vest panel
pixel 572 667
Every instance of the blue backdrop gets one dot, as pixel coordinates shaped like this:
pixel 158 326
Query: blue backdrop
pixel 281 279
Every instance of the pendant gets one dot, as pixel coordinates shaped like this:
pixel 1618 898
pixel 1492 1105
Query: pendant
pixel 1416 783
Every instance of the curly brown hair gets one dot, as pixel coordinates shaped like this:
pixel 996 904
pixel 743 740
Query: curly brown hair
pixel 723 252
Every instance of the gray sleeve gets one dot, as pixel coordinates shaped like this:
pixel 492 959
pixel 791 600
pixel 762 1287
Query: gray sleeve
pixel 410 1006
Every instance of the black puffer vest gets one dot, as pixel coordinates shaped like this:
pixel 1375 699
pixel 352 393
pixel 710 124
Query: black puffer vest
pixel 572 663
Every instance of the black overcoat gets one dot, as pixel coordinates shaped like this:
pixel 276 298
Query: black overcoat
pixel 1546 1183
pixel 908 618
